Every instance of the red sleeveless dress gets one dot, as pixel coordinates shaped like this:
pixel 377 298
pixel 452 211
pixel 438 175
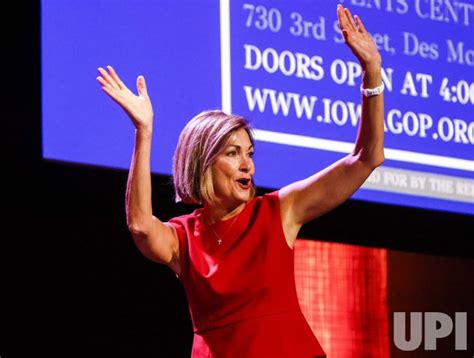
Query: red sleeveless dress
pixel 241 293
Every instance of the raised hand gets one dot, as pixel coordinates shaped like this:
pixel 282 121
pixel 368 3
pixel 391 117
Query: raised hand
pixel 138 107
pixel 358 39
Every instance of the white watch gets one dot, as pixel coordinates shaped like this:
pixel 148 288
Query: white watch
pixel 369 92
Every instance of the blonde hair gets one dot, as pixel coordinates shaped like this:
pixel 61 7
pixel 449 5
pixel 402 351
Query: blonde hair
pixel 202 139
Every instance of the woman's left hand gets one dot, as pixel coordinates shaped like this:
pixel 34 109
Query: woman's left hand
pixel 358 39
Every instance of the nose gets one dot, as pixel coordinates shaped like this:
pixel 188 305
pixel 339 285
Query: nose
pixel 245 164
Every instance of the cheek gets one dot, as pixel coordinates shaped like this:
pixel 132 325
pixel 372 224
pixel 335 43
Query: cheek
pixel 222 173
pixel 226 167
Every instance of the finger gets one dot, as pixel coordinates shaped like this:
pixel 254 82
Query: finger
pixel 107 78
pixel 359 23
pixel 107 87
pixel 116 77
pixel 350 20
pixel 103 82
pixel 141 86
pixel 340 16
pixel 110 92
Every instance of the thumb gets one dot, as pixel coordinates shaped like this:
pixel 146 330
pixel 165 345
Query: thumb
pixel 141 86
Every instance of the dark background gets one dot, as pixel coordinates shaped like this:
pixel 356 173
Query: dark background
pixel 73 283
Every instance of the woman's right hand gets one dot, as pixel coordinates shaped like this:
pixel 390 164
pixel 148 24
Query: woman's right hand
pixel 138 108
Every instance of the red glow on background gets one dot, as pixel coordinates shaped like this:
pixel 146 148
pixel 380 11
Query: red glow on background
pixel 342 291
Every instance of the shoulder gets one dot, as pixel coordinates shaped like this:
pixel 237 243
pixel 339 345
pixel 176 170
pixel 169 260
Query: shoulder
pixel 268 202
pixel 184 223
pixel 183 227
pixel 184 220
pixel 271 198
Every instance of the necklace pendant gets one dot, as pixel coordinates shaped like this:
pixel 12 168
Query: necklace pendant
pixel 219 241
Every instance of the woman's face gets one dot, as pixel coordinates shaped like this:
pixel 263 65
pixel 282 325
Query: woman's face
pixel 233 170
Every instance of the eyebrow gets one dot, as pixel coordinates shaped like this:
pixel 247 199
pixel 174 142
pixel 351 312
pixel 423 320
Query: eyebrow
pixel 239 147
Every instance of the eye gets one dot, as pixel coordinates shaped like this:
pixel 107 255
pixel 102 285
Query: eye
pixel 232 153
pixel 251 154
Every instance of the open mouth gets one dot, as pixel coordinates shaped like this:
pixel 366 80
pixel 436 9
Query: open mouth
pixel 244 182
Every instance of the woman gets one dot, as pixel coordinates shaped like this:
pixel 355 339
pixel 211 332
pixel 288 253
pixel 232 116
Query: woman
pixel 234 255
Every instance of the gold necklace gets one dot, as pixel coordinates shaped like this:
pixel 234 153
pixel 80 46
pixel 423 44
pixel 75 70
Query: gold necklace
pixel 219 238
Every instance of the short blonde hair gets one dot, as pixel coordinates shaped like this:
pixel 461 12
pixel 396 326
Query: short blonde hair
pixel 202 139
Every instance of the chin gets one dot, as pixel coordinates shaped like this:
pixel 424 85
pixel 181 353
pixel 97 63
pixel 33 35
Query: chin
pixel 244 197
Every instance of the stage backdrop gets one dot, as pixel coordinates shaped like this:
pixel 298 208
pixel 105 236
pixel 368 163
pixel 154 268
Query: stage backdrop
pixel 350 294
pixel 283 65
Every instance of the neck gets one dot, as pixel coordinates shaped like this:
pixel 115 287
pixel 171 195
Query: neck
pixel 216 212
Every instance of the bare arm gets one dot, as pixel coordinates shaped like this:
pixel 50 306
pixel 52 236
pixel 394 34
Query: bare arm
pixel 156 240
pixel 307 199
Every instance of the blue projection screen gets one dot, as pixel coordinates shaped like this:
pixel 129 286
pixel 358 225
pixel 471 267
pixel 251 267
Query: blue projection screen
pixel 284 66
